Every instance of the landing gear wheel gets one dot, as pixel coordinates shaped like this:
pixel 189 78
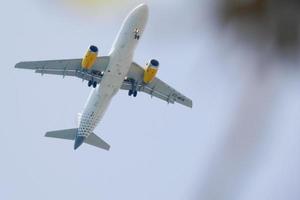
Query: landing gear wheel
pixel 135 93
pixel 95 84
pixel 90 83
pixel 136 37
pixel 130 92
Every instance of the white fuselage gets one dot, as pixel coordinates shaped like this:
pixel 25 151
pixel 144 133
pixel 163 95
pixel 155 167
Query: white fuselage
pixel 121 56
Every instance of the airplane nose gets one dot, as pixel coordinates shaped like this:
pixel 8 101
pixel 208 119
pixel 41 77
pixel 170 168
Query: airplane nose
pixel 143 8
pixel 78 141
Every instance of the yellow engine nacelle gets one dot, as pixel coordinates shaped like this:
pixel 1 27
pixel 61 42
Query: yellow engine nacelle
pixel 90 58
pixel 151 70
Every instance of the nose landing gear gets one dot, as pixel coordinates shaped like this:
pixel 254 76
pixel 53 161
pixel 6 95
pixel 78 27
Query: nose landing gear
pixel 136 34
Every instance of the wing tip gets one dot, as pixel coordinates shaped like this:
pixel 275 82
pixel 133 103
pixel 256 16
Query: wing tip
pixel 188 103
pixel 24 65
pixel 191 104
pixel 108 148
pixel 18 65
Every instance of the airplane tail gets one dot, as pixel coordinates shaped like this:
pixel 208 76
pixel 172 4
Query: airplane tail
pixel 70 134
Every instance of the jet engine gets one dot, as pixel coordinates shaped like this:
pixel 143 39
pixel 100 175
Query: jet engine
pixel 90 58
pixel 151 70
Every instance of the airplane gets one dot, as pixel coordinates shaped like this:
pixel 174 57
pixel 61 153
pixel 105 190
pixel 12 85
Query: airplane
pixel 107 75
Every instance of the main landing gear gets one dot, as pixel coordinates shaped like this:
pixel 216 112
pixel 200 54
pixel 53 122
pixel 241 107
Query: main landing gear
pixel 133 90
pixel 92 83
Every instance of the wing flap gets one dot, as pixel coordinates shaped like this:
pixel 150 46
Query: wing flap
pixel 162 90
pixel 56 72
pixel 80 74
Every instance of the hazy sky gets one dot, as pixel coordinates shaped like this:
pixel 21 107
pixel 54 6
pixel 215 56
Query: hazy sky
pixel 158 151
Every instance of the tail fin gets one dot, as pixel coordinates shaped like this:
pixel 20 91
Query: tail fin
pixel 70 134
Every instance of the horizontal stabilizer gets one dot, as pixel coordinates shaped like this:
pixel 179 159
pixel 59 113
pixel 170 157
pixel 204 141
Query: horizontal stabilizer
pixel 96 141
pixel 70 134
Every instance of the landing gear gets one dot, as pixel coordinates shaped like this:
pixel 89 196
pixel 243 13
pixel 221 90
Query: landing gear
pixel 133 90
pixel 134 93
pixel 92 83
pixel 130 92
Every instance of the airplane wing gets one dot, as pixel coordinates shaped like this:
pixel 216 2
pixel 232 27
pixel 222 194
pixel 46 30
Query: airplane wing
pixel 156 88
pixel 68 67
pixel 72 67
